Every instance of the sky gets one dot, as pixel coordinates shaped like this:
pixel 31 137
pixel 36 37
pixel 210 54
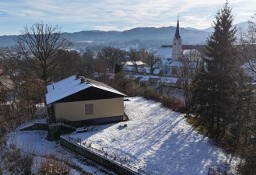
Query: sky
pixel 79 15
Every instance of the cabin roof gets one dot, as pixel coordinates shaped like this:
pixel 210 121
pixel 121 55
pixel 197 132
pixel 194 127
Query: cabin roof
pixel 72 85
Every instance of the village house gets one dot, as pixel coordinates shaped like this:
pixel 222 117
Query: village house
pixel 135 67
pixel 80 101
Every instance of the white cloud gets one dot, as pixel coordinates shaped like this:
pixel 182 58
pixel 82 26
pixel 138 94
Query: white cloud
pixel 117 14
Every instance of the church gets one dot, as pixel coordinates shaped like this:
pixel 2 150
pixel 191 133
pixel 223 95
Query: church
pixel 171 58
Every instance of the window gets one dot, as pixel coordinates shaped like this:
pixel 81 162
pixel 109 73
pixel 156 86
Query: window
pixel 88 109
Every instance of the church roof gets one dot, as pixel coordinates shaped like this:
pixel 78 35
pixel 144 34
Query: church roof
pixel 177 33
pixel 164 52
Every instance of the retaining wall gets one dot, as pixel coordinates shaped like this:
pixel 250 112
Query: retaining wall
pixel 97 158
pixel 37 126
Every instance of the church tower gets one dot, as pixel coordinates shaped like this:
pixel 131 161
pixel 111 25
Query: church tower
pixel 176 43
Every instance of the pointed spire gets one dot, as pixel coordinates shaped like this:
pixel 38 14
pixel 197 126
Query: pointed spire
pixel 177 33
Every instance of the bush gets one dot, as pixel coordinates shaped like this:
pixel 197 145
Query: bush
pixel 131 88
pixel 53 167
pixel 250 159
pixel 172 103
pixel 169 102
pixel 14 162
pixel 150 94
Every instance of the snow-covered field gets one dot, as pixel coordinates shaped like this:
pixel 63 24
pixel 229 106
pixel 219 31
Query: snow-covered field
pixel 157 140
pixel 35 144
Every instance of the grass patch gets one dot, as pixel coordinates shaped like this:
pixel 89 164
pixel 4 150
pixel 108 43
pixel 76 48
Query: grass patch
pixel 197 124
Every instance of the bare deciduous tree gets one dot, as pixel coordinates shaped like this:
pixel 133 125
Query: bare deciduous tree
pixel 110 56
pixel 39 44
pixel 88 63
pixel 69 63
pixel 135 56
pixel 247 47
pixel 187 68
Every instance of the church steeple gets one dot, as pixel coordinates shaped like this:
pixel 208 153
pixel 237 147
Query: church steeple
pixel 177 33
pixel 176 43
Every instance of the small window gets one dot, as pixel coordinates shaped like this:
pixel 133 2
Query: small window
pixel 88 109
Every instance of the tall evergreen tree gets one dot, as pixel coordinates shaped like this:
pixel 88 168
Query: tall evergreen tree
pixel 215 88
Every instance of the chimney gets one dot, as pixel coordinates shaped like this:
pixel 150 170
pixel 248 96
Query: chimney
pixel 77 77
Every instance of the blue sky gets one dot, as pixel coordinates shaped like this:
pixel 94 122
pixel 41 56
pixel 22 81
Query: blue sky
pixel 78 15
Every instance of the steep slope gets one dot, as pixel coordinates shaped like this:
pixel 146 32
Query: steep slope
pixel 157 140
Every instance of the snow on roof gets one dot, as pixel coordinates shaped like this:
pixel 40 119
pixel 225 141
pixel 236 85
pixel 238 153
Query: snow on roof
pixel 147 69
pixel 144 69
pixel 164 52
pixel 176 64
pixel 156 71
pixel 168 80
pixel 189 52
pixel 189 64
pixel 72 85
pixel 132 63
pixel 144 78
pixel 129 68
pixel 103 86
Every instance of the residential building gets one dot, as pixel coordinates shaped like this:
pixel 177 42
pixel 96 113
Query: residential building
pixel 80 101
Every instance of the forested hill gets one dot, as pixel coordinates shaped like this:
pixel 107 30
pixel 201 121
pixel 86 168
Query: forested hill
pixel 190 36
pixel 145 37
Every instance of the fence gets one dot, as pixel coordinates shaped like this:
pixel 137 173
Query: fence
pixel 96 157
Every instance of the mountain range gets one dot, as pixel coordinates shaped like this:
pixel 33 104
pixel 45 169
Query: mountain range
pixel 143 37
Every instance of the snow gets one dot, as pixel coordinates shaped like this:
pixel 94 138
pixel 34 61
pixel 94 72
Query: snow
pixel 189 53
pixel 106 88
pixel 64 88
pixel 72 85
pixel 30 123
pixel 156 71
pixel 35 143
pixel 168 80
pixel 133 63
pixel 139 68
pixel 164 52
pixel 32 142
pixel 155 141
pixel 176 64
pixel 144 78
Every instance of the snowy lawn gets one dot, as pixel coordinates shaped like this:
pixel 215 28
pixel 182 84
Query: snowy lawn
pixel 156 140
pixel 35 144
